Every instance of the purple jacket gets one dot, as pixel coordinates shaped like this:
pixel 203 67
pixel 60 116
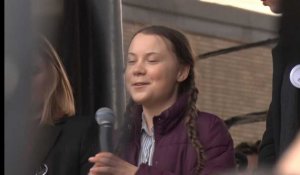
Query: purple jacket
pixel 174 154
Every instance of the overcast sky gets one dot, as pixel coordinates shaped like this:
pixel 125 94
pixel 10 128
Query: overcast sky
pixel 252 5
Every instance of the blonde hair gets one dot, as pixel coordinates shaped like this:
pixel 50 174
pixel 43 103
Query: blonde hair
pixel 59 101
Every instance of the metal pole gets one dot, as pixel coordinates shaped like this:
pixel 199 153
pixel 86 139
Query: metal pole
pixel 108 50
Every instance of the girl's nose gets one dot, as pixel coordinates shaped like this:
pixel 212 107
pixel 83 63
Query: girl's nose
pixel 139 69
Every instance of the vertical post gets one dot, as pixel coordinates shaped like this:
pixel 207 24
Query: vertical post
pixel 108 54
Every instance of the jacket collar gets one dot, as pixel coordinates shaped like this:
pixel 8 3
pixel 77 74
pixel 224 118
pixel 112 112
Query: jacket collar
pixel 167 120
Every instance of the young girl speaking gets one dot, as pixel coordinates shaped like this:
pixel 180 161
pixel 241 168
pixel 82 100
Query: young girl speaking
pixel 164 133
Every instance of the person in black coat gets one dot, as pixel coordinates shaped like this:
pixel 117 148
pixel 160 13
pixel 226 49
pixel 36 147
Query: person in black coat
pixel 283 120
pixel 61 142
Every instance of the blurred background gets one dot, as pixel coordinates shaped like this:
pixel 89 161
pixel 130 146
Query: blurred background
pixel 232 42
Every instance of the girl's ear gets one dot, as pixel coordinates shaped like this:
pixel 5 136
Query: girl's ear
pixel 183 73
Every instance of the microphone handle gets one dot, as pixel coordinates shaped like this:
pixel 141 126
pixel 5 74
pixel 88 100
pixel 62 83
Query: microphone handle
pixel 106 138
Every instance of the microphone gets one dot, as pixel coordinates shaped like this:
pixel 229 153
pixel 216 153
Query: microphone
pixel 105 119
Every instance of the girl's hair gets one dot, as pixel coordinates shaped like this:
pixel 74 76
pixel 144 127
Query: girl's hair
pixel 183 51
pixel 59 99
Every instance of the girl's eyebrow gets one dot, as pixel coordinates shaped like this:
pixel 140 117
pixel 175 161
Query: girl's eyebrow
pixel 130 53
pixel 147 54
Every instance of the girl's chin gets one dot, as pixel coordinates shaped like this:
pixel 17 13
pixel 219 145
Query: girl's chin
pixel 139 101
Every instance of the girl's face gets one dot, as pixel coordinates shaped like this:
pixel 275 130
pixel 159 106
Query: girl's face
pixel 153 73
pixel 273 4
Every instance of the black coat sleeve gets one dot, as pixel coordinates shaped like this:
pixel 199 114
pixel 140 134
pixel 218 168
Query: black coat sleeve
pixel 267 154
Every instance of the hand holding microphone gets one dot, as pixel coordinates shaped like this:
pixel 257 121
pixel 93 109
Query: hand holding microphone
pixel 106 162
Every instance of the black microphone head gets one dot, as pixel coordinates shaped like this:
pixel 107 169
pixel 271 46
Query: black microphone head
pixel 105 116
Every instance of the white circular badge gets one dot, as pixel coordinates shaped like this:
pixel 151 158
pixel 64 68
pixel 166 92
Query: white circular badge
pixel 295 76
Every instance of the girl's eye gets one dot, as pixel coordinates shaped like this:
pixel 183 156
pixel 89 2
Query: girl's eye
pixel 130 60
pixel 153 60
